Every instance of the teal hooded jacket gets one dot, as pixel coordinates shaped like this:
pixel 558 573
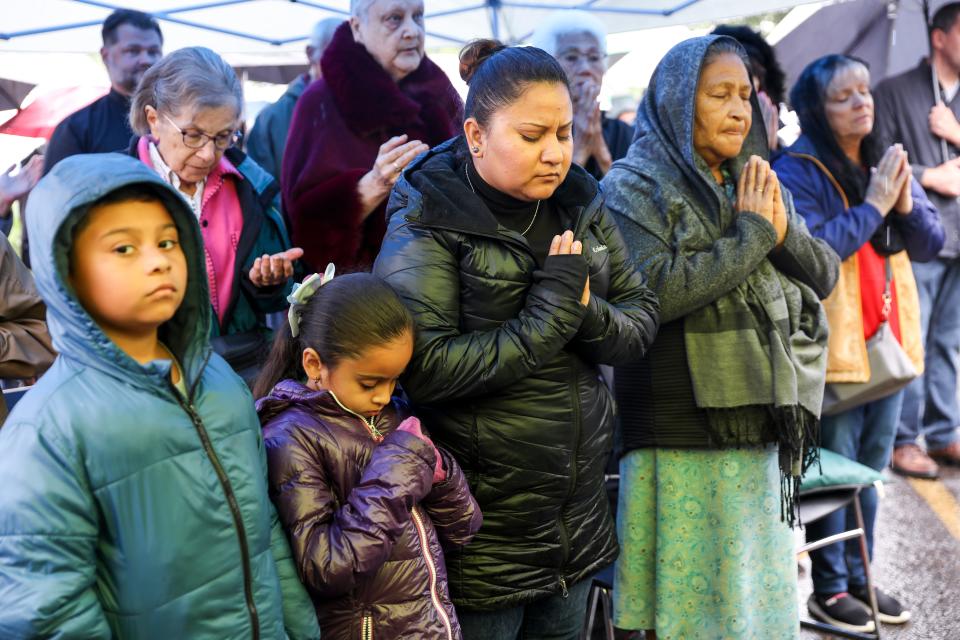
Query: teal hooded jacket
pixel 126 509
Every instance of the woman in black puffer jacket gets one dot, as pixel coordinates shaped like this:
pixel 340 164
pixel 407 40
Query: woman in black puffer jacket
pixel 521 287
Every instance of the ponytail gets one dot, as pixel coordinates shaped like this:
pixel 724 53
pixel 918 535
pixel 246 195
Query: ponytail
pixel 283 361
pixel 342 319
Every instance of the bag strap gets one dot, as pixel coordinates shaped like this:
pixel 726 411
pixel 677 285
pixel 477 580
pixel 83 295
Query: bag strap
pixel 887 297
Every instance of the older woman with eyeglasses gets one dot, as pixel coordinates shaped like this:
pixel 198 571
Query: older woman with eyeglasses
pixel 187 113
pixel 578 40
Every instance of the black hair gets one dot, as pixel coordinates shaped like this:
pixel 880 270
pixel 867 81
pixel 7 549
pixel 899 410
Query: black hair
pixel 808 97
pixel 497 75
pixel 346 316
pixel 763 59
pixel 120 17
pixel 945 17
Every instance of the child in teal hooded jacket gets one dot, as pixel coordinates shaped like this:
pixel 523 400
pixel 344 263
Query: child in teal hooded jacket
pixel 133 498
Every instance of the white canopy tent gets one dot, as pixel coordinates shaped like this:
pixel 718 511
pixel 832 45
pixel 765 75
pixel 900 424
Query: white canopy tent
pixel 55 42
pixel 269 29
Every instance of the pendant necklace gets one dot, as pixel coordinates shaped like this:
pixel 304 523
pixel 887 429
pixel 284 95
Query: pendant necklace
pixel 535 210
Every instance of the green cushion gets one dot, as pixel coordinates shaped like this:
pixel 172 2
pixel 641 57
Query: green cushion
pixel 835 470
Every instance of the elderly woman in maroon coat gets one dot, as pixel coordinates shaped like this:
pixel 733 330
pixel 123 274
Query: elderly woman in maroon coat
pixel 379 104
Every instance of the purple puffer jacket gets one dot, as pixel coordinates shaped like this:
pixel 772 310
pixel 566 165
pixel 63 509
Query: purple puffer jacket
pixel 364 522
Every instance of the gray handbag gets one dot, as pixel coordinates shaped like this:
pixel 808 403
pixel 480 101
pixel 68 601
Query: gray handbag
pixel 890 367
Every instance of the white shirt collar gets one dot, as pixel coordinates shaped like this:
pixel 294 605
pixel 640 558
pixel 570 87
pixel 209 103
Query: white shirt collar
pixel 170 177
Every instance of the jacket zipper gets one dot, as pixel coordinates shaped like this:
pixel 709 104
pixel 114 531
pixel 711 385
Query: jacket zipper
pixel 366 627
pixel 564 535
pixel 369 424
pixel 234 511
pixel 432 570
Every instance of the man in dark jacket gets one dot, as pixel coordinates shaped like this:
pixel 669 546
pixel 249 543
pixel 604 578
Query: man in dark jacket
pixel 926 124
pixel 268 136
pixel 132 43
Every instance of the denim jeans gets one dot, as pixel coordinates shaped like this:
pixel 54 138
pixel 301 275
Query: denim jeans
pixel 864 434
pixel 930 403
pixel 551 618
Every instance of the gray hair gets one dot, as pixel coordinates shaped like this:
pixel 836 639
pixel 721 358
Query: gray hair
pixel 322 32
pixel 194 77
pixel 360 8
pixel 566 21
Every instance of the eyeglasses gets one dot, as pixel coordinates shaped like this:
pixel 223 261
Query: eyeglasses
pixel 197 140
pixel 573 57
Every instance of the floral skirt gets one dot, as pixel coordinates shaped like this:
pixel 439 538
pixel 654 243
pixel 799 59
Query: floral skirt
pixel 703 553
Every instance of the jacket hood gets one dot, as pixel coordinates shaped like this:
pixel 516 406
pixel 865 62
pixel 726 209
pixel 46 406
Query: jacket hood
pixel 297 85
pixel 57 205
pixel 435 180
pixel 288 394
pixel 667 113
pixel 291 393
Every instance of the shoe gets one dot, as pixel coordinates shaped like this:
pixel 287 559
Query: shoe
pixel 842 611
pixel 890 609
pixel 948 455
pixel 910 460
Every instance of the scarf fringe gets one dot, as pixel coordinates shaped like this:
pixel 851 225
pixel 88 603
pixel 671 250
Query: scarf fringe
pixel 794 430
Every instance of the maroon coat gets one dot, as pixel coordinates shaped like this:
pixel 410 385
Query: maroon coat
pixel 364 520
pixel 338 125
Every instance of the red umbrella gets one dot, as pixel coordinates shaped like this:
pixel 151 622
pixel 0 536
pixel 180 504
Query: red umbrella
pixel 42 115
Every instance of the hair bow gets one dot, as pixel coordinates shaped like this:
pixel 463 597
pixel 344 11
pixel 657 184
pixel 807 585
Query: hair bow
pixel 302 292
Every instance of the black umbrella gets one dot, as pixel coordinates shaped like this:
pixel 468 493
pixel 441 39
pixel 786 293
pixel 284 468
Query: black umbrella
pixel 890 35
pixel 12 93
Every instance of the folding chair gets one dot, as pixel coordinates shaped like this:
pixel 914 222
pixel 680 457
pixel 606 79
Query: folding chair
pixel 602 585
pixel 600 592
pixel 839 485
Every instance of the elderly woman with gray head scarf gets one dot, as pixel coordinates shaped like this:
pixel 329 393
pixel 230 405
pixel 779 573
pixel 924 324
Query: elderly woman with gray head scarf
pixel 721 416
pixel 578 40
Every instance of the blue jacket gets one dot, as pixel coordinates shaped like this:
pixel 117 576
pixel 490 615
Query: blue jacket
pixel 845 229
pixel 126 509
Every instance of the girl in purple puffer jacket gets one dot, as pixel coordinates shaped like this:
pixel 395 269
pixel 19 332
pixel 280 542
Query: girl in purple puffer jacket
pixel 366 499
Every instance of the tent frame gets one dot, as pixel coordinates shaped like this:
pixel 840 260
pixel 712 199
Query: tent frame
pixel 494 9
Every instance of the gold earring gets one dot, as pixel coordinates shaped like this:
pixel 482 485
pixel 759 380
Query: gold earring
pixel 475 149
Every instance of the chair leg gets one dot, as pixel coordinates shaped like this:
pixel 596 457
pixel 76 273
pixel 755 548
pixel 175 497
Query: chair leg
pixel 591 613
pixel 607 604
pixel 865 554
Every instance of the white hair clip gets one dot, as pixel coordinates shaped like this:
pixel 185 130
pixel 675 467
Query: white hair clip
pixel 302 292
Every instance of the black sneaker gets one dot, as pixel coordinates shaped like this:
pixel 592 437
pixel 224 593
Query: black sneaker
pixel 891 611
pixel 842 611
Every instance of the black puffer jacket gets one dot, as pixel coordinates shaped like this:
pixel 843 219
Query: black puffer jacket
pixel 505 372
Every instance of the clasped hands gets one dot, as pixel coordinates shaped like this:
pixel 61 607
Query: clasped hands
pixel 889 187
pixel 758 191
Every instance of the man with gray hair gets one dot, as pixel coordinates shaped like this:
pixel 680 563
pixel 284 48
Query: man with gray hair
pixel 268 137
pixel 578 40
